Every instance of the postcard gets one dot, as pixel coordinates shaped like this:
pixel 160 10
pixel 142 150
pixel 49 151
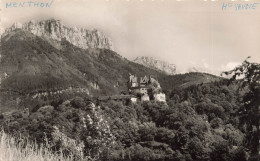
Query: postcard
pixel 134 80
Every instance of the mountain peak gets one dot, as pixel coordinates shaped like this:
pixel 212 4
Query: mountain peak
pixel 155 64
pixel 55 30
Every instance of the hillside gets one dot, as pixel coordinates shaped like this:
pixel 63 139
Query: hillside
pixel 35 65
pixel 41 68
pixel 181 81
pixel 38 65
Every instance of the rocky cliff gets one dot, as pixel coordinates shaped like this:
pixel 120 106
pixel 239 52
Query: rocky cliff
pixel 158 65
pixel 55 30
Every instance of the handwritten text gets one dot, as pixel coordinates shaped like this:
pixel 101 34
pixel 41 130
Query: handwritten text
pixel 39 4
pixel 237 7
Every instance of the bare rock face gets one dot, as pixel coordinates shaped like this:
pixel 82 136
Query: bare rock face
pixel 158 65
pixel 55 30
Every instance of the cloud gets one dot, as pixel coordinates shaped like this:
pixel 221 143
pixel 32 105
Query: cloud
pixel 204 66
pixel 230 66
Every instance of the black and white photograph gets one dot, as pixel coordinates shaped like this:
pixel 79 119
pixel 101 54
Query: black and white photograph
pixel 129 80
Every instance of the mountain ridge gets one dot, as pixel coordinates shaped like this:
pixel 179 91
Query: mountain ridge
pixel 55 30
pixel 159 65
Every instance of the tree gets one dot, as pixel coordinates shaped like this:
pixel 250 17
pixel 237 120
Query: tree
pixel 250 111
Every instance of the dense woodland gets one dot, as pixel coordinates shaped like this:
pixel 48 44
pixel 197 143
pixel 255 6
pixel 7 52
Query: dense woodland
pixel 200 122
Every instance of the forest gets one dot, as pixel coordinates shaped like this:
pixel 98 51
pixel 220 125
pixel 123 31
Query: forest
pixel 215 121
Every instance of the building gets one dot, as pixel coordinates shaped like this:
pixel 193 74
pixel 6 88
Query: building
pixel 133 99
pixel 143 90
pixel 145 81
pixel 160 97
pixel 139 87
pixel 145 97
pixel 133 81
pixel 145 87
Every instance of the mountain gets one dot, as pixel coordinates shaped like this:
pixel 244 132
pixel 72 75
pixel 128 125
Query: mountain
pixel 33 66
pixel 36 64
pixel 55 30
pixel 158 65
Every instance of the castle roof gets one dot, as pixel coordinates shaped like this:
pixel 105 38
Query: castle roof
pixel 133 79
pixel 144 80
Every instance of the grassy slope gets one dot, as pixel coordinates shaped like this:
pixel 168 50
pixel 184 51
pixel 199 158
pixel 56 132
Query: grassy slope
pixel 11 150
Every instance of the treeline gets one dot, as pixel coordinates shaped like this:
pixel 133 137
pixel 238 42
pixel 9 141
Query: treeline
pixel 199 123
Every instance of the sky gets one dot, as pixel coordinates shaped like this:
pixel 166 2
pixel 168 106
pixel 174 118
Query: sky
pixel 187 33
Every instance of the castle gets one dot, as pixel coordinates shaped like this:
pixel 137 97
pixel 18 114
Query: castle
pixel 145 88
